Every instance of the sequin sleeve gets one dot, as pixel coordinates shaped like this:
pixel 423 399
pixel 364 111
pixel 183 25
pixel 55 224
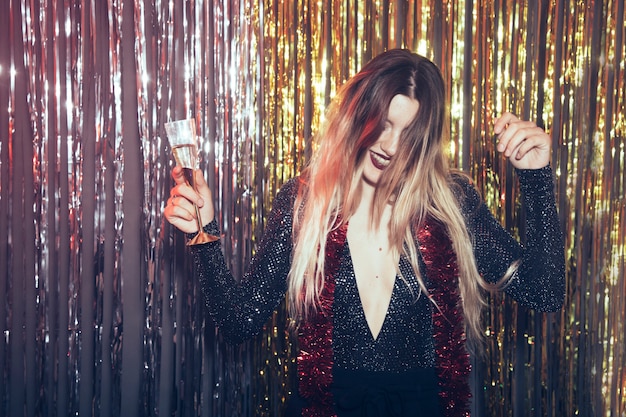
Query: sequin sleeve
pixel 240 308
pixel 539 282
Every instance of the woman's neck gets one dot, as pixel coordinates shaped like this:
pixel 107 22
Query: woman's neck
pixel 363 214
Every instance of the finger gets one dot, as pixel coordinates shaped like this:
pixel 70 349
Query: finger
pixel 513 136
pixel 184 225
pixel 503 121
pixel 175 191
pixel 202 188
pixel 206 203
pixel 180 213
pixel 522 149
pixel 184 190
pixel 178 175
pixel 539 142
pixel 181 206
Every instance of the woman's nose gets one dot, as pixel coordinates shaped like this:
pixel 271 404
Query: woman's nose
pixel 390 142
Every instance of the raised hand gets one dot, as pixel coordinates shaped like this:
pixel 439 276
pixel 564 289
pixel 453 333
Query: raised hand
pixel 180 210
pixel 524 143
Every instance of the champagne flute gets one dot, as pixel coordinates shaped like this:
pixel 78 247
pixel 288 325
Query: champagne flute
pixel 181 135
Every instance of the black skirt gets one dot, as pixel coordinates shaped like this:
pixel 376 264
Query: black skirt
pixel 357 393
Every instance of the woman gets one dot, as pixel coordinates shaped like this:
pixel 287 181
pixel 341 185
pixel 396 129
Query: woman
pixel 383 253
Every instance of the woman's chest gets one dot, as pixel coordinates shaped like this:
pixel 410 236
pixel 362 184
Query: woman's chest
pixel 405 335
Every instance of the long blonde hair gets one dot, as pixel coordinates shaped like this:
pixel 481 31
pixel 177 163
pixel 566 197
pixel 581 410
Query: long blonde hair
pixel 417 180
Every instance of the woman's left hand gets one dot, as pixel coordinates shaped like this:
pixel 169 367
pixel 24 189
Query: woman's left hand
pixel 524 143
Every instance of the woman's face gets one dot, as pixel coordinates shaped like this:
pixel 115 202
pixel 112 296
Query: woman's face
pixel 402 111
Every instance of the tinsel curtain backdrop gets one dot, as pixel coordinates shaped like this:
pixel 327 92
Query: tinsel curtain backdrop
pixel 101 314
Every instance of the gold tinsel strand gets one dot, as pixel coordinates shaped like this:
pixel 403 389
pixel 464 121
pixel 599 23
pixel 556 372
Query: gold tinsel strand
pixel 256 77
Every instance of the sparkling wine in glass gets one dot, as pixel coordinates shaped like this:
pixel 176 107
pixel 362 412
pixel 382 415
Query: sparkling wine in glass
pixel 181 135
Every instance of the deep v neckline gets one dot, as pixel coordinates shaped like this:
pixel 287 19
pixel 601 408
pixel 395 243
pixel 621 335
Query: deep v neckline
pixel 373 332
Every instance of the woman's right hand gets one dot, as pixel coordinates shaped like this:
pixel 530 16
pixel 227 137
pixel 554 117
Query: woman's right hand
pixel 180 211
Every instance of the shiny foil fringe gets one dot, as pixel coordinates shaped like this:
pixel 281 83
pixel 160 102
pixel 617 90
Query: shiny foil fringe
pixel 101 314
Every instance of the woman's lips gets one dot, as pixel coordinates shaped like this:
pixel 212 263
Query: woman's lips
pixel 379 161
